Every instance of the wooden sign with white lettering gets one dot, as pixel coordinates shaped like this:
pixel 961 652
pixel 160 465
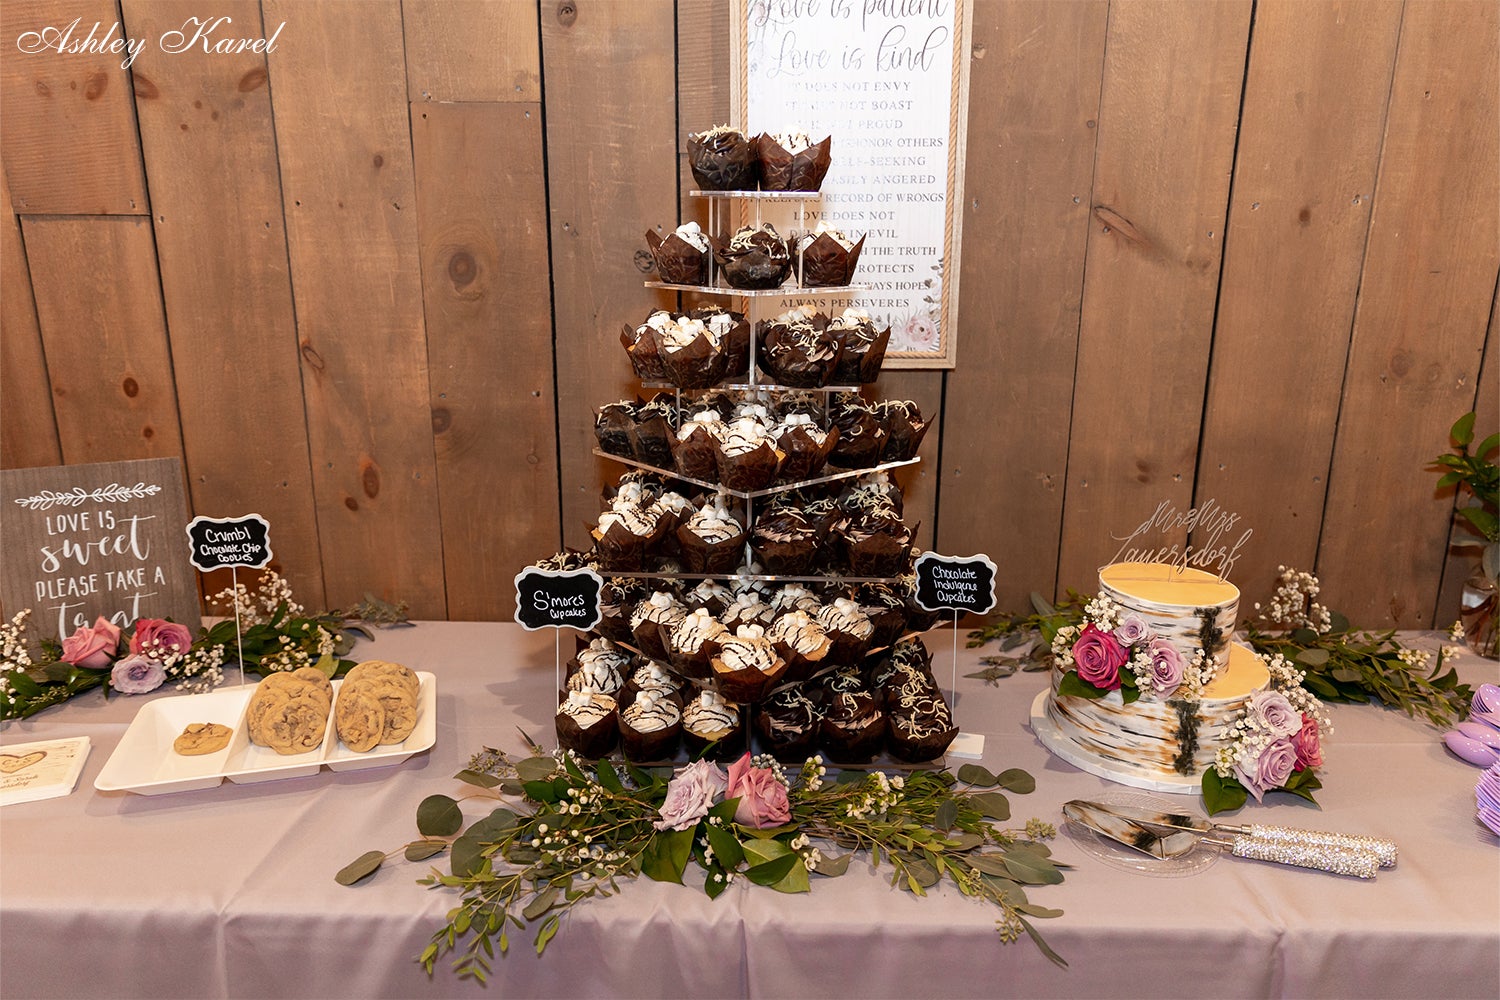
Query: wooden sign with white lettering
pixel 85 541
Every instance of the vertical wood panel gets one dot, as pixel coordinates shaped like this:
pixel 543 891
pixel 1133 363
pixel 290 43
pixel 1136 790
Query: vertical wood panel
pixel 611 157
pixel 1310 132
pixel 210 154
pixel 1167 119
pixel 99 307
pixel 70 140
pixel 705 89
pixel 484 242
pixel 28 431
pixel 343 133
pixel 1033 110
pixel 472 50
pixel 1425 295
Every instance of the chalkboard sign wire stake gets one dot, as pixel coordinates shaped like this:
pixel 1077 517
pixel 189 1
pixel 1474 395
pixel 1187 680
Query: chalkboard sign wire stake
pixel 239 638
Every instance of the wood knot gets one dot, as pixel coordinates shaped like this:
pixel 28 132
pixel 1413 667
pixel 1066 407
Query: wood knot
pixel 96 85
pixel 370 481
pixel 567 13
pixel 1113 221
pixel 253 79
pixel 462 269
pixel 312 357
pixel 131 387
pixel 442 419
pixel 644 262
pixel 144 88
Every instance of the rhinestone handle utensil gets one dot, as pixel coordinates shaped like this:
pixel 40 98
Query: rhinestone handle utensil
pixel 1335 860
pixel 1384 850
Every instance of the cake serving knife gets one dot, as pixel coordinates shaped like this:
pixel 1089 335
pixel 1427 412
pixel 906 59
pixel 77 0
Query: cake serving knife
pixel 1384 850
pixel 1143 838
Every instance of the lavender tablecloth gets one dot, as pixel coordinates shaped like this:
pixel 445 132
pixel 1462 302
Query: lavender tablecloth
pixel 229 891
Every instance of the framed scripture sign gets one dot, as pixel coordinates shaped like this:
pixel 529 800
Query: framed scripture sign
pixel 955 583
pixel 235 543
pixel 87 541
pixel 558 599
pixel 889 82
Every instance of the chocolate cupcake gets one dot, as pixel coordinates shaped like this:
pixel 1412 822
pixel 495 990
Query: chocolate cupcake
pixel 692 353
pixel 849 628
pixel 748 458
pixel 600 668
pixel 862 434
pixel 643 347
pixel 801 642
pixel 711 727
pixel 795 597
pixel 692 641
pixel 655 427
pixel 648 675
pixel 784 542
pixel 826 257
pixel 682 256
pixel 886 610
pixel 659 611
pixel 587 724
pixel 650 727
pixel 564 561
pixel 904 429
pixel 623 536
pixel 710 594
pixel 746 664
pixel 853 726
pixel 733 332
pixel 747 609
pixel 712 540
pixel 614 426
pixel 755 257
pixel 918 618
pixel 919 722
pixel 787 721
pixel 876 544
pixel 863 347
pixel 805 445
pixel 796 348
pixel 617 599
pixel 790 161
pixel 695 447
pixel 724 159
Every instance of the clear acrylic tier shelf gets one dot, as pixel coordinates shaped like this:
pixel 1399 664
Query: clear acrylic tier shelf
pixel 769 386
pixel 759 195
pixel 751 494
pixel 783 291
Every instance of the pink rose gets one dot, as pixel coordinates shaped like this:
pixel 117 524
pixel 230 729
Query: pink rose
pixel 1132 630
pixel 1275 713
pixel 763 801
pixel 160 637
pixel 691 795
pixel 1308 745
pixel 136 674
pixel 1166 668
pixel 1270 770
pixel 92 647
pixel 1098 657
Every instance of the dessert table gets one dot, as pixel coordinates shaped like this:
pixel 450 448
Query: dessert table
pixel 229 891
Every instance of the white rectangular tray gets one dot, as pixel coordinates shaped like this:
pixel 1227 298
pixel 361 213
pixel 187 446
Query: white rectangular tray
pixel 145 762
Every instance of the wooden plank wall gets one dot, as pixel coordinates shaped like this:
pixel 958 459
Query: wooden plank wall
pixel 370 284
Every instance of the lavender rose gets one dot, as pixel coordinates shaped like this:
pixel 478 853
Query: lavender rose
pixel 691 794
pixel 1274 713
pixel 1308 744
pixel 1133 630
pixel 92 647
pixel 1166 668
pixel 1098 657
pixel 763 801
pixel 1270 770
pixel 136 674
pixel 160 637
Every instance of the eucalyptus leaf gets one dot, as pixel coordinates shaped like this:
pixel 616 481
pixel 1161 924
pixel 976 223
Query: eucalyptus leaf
pixel 976 775
pixel 1036 939
pixel 548 931
pixel 923 873
pixel 1316 656
pixel 361 867
pixel 993 805
pixel 831 866
pixel 466 857
pixel 479 778
pixel 989 864
pixel 439 816
pixel 543 902
pixel 1016 780
pixel 1034 910
pixel 1028 869
pixel 494 826
pixel 964 841
pixel 946 816
pixel 1042 605
pixel 421 850
pixel 535 768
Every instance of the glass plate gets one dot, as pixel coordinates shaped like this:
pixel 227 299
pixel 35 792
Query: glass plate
pixel 1116 855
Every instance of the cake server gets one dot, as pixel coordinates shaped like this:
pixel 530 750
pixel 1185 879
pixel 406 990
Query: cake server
pixel 1384 850
pixel 1141 837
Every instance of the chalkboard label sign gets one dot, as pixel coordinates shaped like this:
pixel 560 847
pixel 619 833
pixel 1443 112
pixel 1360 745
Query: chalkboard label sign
pixel 241 542
pixel 954 583
pixel 558 599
